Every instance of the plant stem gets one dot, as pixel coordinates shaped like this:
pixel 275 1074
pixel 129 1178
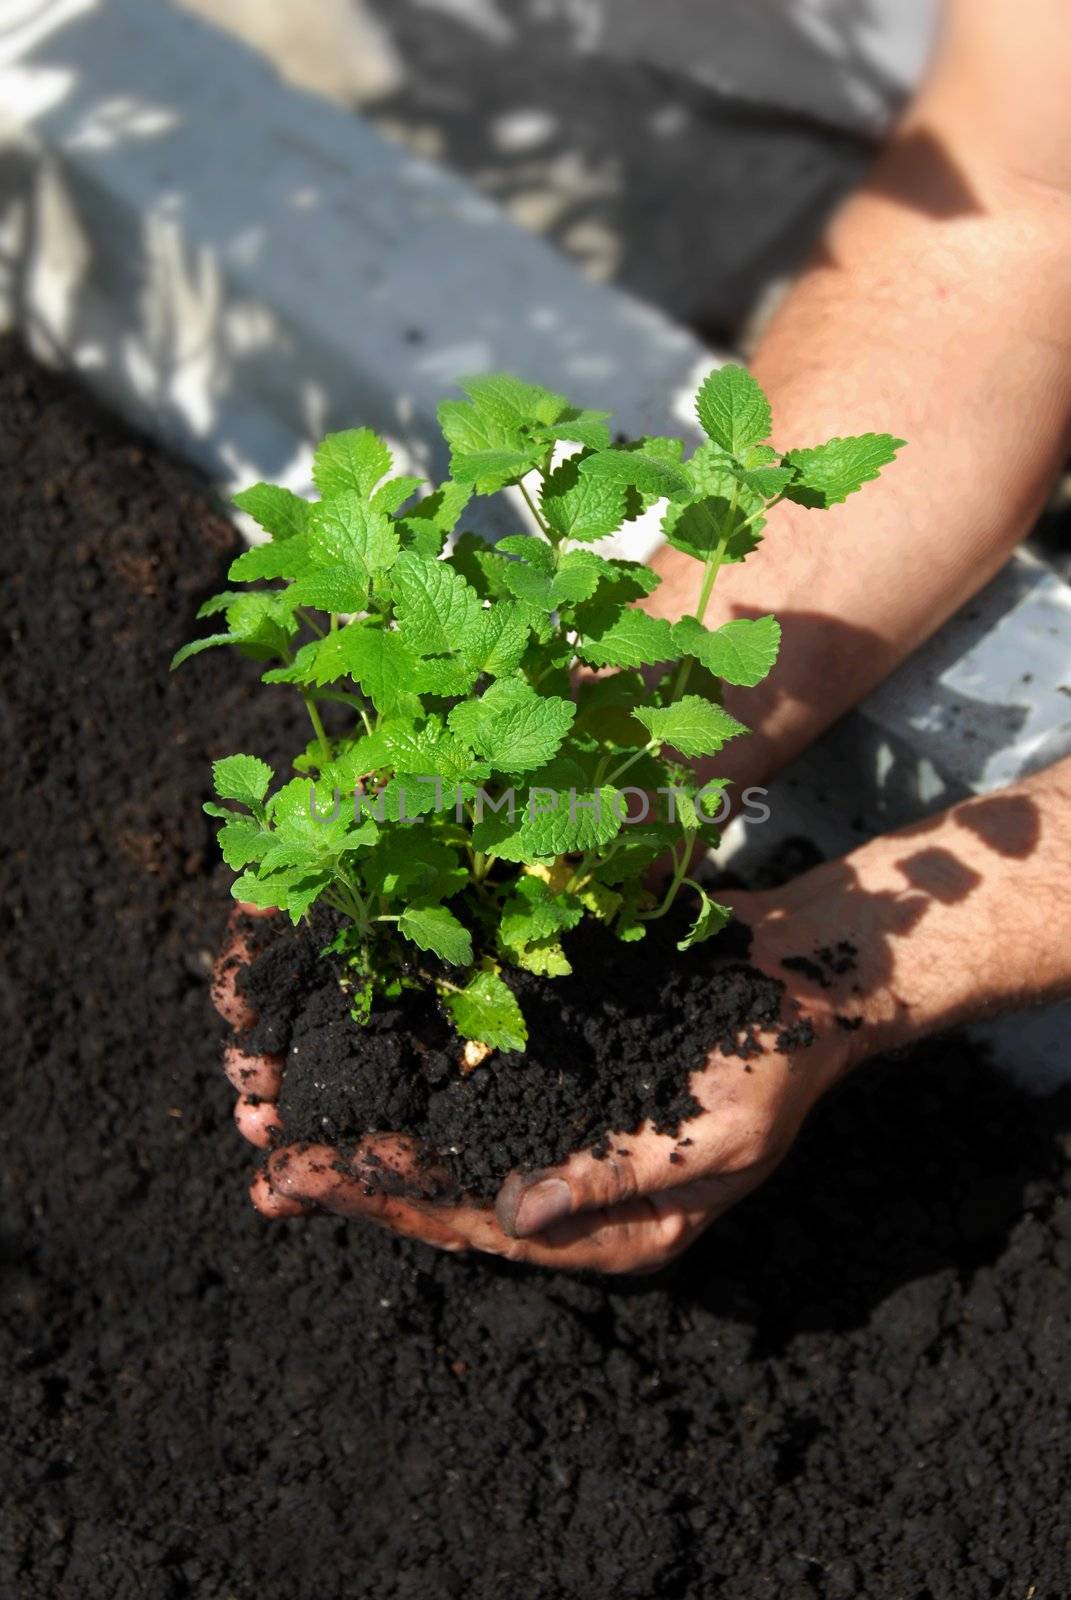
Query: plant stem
pixel 310 622
pixel 631 762
pixel 530 503
pixel 318 727
pixel 679 870
pixel 710 572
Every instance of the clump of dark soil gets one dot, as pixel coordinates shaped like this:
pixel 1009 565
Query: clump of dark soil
pixel 855 1386
pixel 610 1045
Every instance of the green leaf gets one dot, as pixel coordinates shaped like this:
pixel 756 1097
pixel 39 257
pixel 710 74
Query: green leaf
pixel 582 506
pixel 741 652
pixel 278 511
pixel 210 642
pixel 242 840
pixel 613 638
pixel 242 778
pixel 533 913
pixel 691 725
pixel 710 919
pixel 434 606
pixel 486 1010
pixel 828 474
pixel 393 494
pixel 414 864
pixel 496 640
pixel 652 475
pixel 352 461
pixel 549 822
pixel 767 481
pixel 346 531
pixel 732 409
pixel 436 929
pixel 513 402
pixel 433 751
pixel 285 558
pixel 550 582
pixel 375 657
pixel 578 427
pixel 445 677
pixel 425 526
pixel 513 727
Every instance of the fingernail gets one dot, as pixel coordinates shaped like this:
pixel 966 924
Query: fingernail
pixel 541 1206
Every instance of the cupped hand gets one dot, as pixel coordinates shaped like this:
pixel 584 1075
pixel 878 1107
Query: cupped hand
pixel 629 1212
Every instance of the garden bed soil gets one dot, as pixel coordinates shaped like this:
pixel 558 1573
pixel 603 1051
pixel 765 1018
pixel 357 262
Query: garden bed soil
pixel 854 1386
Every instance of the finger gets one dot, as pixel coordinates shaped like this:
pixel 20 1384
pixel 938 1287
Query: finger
pixel 259 1075
pixel 257 1120
pixel 316 1175
pixel 236 953
pixel 643 1163
pixel 272 1205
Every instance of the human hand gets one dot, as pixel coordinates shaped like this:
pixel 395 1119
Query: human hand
pixel 630 1212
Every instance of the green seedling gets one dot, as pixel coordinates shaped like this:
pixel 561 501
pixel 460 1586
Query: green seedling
pixel 478 792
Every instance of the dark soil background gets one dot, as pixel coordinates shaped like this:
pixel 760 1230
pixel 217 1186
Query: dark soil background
pixel 856 1386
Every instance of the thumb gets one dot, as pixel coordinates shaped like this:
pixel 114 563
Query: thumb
pixel 642 1163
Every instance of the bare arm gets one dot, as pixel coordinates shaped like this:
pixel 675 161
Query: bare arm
pixel 938 308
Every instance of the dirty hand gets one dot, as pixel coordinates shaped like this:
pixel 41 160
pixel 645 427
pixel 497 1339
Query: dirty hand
pixel 626 1213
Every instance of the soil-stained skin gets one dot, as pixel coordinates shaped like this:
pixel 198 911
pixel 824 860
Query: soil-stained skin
pixel 856 1384
pixel 611 1045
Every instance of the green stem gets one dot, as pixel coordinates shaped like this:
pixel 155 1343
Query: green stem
pixel 632 760
pixel 318 727
pixel 310 622
pixel 710 573
pixel 680 868
pixel 540 524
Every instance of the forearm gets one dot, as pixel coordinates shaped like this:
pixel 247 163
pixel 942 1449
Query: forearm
pixel 951 920
pixel 939 308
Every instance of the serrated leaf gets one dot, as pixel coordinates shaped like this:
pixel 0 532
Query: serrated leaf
pixel 351 461
pixel 211 641
pixel 496 640
pixel 710 919
pixel 278 511
pixel 414 864
pixel 487 1010
pixel 393 494
pixel 242 840
pixel 512 727
pixel 732 409
pixel 742 652
pixel 443 676
pixel 432 751
pixel 285 558
pixel 767 481
pixel 512 401
pixel 582 506
pixel 550 822
pixel 242 778
pixel 578 427
pixel 691 725
pixel 828 474
pixel 425 526
pixel 346 533
pixel 436 929
pixel 434 606
pixel 376 658
pixel 625 639
pixel 651 475
pixel 533 914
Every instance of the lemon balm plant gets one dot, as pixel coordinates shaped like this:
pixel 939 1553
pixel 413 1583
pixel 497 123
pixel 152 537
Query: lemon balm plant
pixel 484 796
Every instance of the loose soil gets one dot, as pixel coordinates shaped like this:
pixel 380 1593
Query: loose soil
pixel 855 1386
pixel 610 1045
